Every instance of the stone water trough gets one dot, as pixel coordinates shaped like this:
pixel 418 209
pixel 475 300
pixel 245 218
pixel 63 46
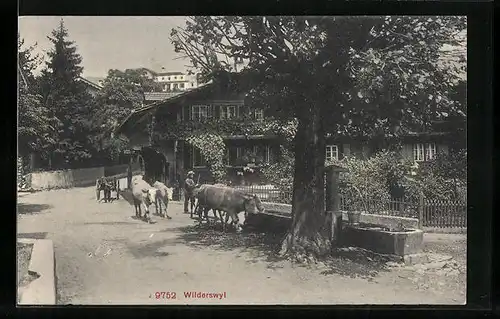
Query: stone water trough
pixel 396 237
pixel 383 240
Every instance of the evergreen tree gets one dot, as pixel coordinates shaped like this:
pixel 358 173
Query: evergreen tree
pixel 68 100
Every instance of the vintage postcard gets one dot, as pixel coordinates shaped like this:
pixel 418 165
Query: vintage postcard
pixel 226 160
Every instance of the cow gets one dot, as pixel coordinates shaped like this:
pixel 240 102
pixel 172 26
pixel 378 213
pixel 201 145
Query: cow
pixel 143 195
pixel 202 209
pixel 164 195
pixel 103 184
pixel 229 200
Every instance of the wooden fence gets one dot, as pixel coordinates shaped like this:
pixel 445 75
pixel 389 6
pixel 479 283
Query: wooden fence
pixel 444 213
pixel 430 213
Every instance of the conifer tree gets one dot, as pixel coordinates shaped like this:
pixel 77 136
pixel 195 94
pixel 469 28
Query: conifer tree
pixel 67 99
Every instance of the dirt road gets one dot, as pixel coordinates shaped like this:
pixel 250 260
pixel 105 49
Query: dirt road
pixel 104 256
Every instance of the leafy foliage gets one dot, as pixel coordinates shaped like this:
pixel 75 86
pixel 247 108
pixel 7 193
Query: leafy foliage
pixel 387 175
pixel 368 76
pixel 375 180
pixel 35 126
pixel 281 172
pixel 212 148
pixel 445 177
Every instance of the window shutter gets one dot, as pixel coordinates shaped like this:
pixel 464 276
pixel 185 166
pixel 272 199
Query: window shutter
pixel 346 150
pixel 216 111
pixel 189 112
pixel 210 110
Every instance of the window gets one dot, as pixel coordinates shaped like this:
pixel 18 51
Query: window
pixel 167 87
pixel 424 152
pixel 258 114
pixel 175 78
pixel 168 78
pixel 181 85
pixel 332 152
pixel 199 112
pixel 176 86
pixel 227 111
pixel 192 84
pixel 198 158
pixel 262 152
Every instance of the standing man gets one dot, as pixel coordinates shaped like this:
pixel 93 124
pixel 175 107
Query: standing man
pixel 129 176
pixel 189 186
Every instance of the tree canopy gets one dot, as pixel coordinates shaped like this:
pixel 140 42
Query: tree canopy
pixel 122 92
pixel 35 126
pixel 360 75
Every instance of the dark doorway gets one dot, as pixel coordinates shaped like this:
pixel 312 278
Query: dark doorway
pixel 156 168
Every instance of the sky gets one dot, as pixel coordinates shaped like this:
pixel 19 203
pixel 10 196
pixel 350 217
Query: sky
pixel 110 42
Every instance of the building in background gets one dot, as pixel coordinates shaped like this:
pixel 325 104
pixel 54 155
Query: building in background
pixel 176 81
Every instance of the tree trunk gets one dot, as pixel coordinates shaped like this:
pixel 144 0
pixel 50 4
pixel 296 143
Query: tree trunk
pixel 309 232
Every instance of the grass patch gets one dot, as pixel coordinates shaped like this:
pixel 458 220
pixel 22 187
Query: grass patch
pixel 23 261
pixel 24 276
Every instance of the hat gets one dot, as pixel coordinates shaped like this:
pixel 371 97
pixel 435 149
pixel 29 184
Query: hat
pixel 190 173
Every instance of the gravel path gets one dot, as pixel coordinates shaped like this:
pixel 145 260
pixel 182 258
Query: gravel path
pixel 104 256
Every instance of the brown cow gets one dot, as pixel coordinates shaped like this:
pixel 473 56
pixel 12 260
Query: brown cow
pixel 229 200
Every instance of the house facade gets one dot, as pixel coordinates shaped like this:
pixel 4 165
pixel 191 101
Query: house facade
pixel 168 158
pixel 417 147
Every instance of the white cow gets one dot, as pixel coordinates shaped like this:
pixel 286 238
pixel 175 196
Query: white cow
pixel 163 195
pixel 143 195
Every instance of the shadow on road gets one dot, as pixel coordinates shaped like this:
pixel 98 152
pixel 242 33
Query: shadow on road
pixel 261 244
pixel 149 249
pixel 355 263
pixel 23 208
pixel 348 262
pixel 110 223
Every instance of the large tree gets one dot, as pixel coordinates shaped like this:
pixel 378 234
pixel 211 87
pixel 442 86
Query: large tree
pixel 377 76
pixel 67 98
pixel 35 126
pixel 122 92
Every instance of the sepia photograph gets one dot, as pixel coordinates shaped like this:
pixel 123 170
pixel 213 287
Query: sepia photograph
pixel 242 160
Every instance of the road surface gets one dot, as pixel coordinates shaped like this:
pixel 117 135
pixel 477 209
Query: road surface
pixel 104 256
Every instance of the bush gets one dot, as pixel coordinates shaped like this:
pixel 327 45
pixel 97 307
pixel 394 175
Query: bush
pixel 387 175
pixel 281 173
pixel 372 182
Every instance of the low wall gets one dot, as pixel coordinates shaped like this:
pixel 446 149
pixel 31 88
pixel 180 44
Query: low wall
pixel 285 210
pixel 70 178
pixel 65 178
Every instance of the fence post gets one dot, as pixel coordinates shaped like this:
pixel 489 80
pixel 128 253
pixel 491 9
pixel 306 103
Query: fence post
pixel 333 202
pixel 421 211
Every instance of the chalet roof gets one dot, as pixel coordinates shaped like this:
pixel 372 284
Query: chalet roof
pixel 90 83
pixel 140 114
pixel 159 96
pixel 170 73
pixel 95 79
